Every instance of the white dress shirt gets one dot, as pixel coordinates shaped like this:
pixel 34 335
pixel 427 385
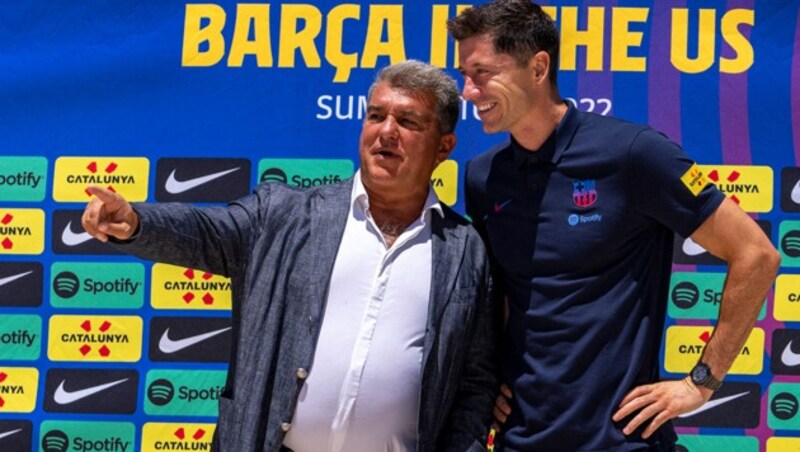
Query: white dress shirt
pixel 362 393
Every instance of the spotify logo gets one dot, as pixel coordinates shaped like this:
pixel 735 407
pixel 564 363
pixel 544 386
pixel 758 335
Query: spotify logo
pixel 790 244
pixel 685 295
pixel 82 436
pixel 160 392
pixel 274 175
pixel 66 284
pixel 97 285
pixel 697 295
pixel 55 441
pixel 304 173
pixel 179 393
pixel 784 406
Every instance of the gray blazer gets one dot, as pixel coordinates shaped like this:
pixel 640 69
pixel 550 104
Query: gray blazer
pixel 278 246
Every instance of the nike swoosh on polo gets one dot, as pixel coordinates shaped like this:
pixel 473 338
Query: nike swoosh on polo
pixel 64 397
pixel 175 186
pixel 12 278
pixel 788 357
pixel 691 248
pixel 713 404
pixel 167 345
pixel 72 238
pixel 9 433
pixel 796 193
pixel 502 205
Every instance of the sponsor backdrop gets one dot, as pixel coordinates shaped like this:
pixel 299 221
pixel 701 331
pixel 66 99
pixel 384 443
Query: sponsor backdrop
pixel 198 102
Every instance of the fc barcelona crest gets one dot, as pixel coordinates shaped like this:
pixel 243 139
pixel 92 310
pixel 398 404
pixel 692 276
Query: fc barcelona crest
pixel 584 193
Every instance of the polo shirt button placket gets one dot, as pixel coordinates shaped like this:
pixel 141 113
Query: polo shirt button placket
pixel 533 172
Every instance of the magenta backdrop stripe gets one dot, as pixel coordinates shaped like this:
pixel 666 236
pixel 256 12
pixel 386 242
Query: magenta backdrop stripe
pixel 597 84
pixel 734 124
pixel 795 90
pixel 664 95
pixel 663 81
pixel 688 430
pixel 769 324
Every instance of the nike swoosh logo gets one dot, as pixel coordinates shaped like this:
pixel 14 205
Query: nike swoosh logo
pixel 9 433
pixel 691 248
pixel 713 404
pixel 501 206
pixel 167 345
pixel 796 193
pixel 11 278
pixel 73 239
pixel 64 397
pixel 788 357
pixel 175 186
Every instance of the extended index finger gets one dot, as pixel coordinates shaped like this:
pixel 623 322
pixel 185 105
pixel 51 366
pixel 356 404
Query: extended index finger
pixel 103 194
pixel 91 216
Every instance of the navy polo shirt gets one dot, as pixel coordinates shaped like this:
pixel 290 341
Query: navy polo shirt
pixel 581 233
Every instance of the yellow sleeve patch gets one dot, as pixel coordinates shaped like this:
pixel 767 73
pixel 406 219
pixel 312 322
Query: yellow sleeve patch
pixel 694 179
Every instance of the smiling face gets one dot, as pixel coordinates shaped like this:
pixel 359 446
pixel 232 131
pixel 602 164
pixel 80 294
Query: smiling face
pixel 503 92
pixel 401 142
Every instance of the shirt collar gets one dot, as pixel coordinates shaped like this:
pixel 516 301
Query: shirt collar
pixel 554 146
pixel 360 200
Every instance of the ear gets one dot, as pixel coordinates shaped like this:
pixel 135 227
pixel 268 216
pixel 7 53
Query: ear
pixel 446 145
pixel 540 67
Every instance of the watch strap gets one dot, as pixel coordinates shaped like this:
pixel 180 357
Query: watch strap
pixel 711 383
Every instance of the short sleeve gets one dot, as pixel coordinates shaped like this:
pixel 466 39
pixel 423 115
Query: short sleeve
pixel 668 186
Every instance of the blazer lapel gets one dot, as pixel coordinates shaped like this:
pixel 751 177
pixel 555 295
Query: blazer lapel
pixel 328 219
pixel 447 248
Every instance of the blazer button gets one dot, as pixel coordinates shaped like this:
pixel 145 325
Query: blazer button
pixel 285 426
pixel 302 373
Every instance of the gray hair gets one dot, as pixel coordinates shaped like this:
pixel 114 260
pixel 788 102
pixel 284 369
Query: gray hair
pixel 417 77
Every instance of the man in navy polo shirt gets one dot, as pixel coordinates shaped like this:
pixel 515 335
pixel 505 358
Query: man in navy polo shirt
pixel 580 211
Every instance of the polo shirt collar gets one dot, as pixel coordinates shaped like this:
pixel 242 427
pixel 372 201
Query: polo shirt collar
pixel 554 146
pixel 360 200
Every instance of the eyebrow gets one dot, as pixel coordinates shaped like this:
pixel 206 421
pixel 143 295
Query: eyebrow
pixel 497 65
pixel 402 113
pixel 480 65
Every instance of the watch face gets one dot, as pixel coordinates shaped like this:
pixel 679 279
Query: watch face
pixel 700 374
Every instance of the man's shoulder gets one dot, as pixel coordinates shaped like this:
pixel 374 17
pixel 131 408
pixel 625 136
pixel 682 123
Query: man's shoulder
pixel 283 202
pixel 497 157
pixel 279 191
pixel 614 130
pixel 453 219
pixel 461 226
pixel 485 158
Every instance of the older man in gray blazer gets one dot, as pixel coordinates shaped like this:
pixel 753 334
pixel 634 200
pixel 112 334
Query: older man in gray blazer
pixel 362 311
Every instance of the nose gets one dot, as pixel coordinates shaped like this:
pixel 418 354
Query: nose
pixel 470 90
pixel 389 127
